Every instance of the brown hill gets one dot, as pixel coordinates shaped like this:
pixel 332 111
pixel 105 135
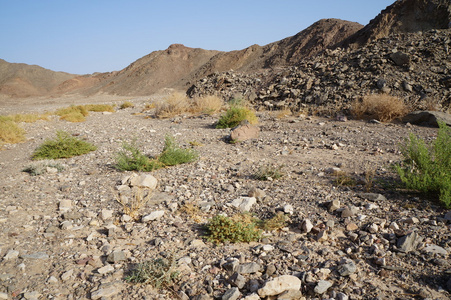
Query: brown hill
pixel 404 16
pixel 22 80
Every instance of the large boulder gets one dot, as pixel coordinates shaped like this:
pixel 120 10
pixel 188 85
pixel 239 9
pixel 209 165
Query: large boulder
pixel 427 118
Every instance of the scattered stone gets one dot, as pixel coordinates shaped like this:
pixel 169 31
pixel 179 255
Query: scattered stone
pixel 400 58
pixel 427 118
pixel 249 268
pixel 11 254
pixel 106 214
pixel 279 285
pixel 105 291
pixel 435 250
pixel 349 212
pixel 257 193
pixel 144 181
pixel 448 216
pixel 65 205
pixel 334 205
pixel 306 226
pixel 244 132
pixel 155 215
pixel 347 268
pixel 322 286
pixel 351 227
pixel 37 255
pixel 288 209
pixel 67 275
pixel 31 295
pixel 116 256
pixel 372 197
pixel 4 296
pixel 322 236
pixel 52 280
pixel 409 242
pixel 106 269
pixel 237 280
pixel 231 294
pixel 290 295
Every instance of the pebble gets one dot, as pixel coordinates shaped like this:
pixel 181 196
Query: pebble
pixel 237 280
pixel 249 268
pixel 408 242
pixel 348 212
pixel 105 291
pixel 306 226
pixel 155 215
pixel 67 275
pixel 4 296
pixel 279 285
pixel 347 268
pixel 244 204
pixel 143 181
pixel 435 250
pixel 11 254
pixel 322 286
pixel 116 256
pixel 231 294
pixel 106 269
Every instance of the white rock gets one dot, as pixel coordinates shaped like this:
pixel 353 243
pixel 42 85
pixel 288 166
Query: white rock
pixel 106 214
pixel 67 275
pixel 105 269
pixel 4 296
pixel 268 247
pixel 244 203
pixel 65 205
pixel 306 226
pixel 288 209
pixel 145 181
pixel 153 216
pixel 279 285
pixel 11 254
pixel 253 296
pixel 52 279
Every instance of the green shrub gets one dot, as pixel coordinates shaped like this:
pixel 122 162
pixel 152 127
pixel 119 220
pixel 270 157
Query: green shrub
pixel 269 172
pixel 132 159
pixel 235 115
pixel 63 146
pixel 427 168
pixel 174 155
pixel 224 229
pixel 159 272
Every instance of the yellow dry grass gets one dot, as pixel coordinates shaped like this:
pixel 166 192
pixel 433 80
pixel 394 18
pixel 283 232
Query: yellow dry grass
pixel 175 104
pixel 208 104
pixel 382 107
pixel 10 132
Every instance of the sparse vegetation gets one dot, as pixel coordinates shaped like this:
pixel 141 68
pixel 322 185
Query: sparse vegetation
pixel 277 222
pixel 173 105
pixel 132 159
pixel 208 104
pixel 382 107
pixel 235 115
pixel 159 272
pixel 63 146
pixel 28 118
pixel 222 229
pixel 126 104
pixel 10 132
pixel 427 168
pixel 43 167
pixel 73 113
pixel 343 179
pixel 269 172
pixel 369 173
pixel 99 107
pixel 131 206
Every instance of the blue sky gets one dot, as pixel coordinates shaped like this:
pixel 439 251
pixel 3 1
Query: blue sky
pixel 86 36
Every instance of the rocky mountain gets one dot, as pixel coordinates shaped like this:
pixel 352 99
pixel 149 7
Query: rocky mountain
pixel 22 80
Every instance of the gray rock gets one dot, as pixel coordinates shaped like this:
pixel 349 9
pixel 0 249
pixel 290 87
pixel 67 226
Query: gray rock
pixel 249 268
pixel 257 193
pixel 400 58
pixel 116 256
pixel 372 197
pixel 67 275
pixel 31 295
pixel 3 296
pixel 279 285
pixel 155 215
pixel 347 268
pixel 349 212
pixel 435 250
pixel 232 265
pixel 244 203
pixel 105 291
pixel 306 226
pixel 427 118
pixel 37 255
pixel 448 216
pixel 409 242
pixel 11 254
pixel 231 294
pixel 237 280
pixel 322 286
pixel 144 181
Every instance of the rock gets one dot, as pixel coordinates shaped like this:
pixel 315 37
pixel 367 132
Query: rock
pixel 52 280
pixel 427 118
pixel 435 250
pixel 144 181
pixel 67 275
pixel 105 269
pixel 4 296
pixel 249 268
pixel 105 290
pixel 31 295
pixel 322 236
pixel 116 256
pixel 257 193
pixel 447 216
pixel 244 132
pixel 106 214
pixel 400 58
pixel 347 268
pixel 349 212
pixel 372 197
pixel 306 226
pixel 279 285
pixel 334 205
pixel 36 255
pixel 155 215
pixel 290 295
pixel 244 203
pixel 231 294
pixel 237 280
pixel 252 296
pixel 288 209
pixel 65 205
pixel 352 227
pixel 11 254
pixel 322 286
pixel 409 242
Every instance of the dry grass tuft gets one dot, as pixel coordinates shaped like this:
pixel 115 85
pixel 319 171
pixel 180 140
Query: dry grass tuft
pixel 10 132
pixel 173 105
pixel 382 107
pixel 99 107
pixel 135 203
pixel 208 104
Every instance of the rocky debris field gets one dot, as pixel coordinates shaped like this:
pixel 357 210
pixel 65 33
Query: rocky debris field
pixel 415 66
pixel 64 235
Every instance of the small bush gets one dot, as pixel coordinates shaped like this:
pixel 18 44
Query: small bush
pixel 126 104
pixel 73 113
pixel 277 222
pixel 343 179
pixel 29 118
pixel 235 115
pixel 159 272
pixel 223 229
pixel 42 167
pixel 63 146
pixel 208 104
pixel 10 132
pixel 174 155
pixel 133 205
pixel 427 168
pixel 173 105
pixel 382 107
pixel 99 107
pixel 132 159
pixel 269 172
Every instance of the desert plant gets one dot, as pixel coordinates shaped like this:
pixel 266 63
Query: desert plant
pixel 174 104
pixel 208 104
pixel 223 229
pixel 235 115
pixel 382 107
pixel 29 118
pixel 73 113
pixel 427 168
pixel 174 155
pixel 126 104
pixel 269 172
pixel 99 107
pixel 369 173
pixel 343 179
pixel 10 132
pixel 277 222
pixel 135 203
pixel 63 146
pixel 42 167
pixel 130 158
pixel 159 272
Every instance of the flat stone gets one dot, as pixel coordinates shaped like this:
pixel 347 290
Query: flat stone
pixel 427 118
pixel 352 227
pixel 231 294
pixel 349 212
pixel 244 132
pixel 144 181
pixel 322 286
pixel 32 295
pixel 67 275
pixel 244 203
pixel 400 58
pixel 105 291
pixel 105 269
pixel 279 285
pixel 65 205
pixel 37 255
pixel 372 197
pixel 116 256
pixel 237 280
pixel 306 226
pixel 408 242
pixel 257 193
pixel 290 295
pixel 249 268
pixel 106 214
pixel 448 216
pixel 4 296
pixel 155 215
pixel 11 254
pixel 347 268
pixel 435 249
pixel 252 296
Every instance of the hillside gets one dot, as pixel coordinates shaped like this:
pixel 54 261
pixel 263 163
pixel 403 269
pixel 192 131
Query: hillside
pixel 22 80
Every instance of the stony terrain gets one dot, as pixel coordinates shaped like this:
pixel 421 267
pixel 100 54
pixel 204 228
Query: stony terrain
pixel 63 235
